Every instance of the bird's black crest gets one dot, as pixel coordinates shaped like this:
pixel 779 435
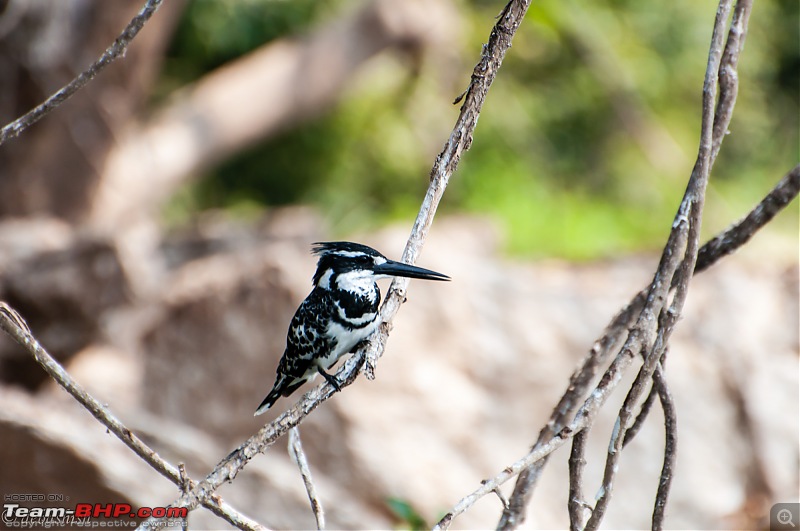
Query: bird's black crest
pixel 322 248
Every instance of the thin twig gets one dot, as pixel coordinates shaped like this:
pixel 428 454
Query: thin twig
pixel 727 242
pixel 185 485
pixel 488 486
pixel 728 75
pixel 114 51
pixel 618 434
pixel 443 168
pixel 718 247
pixel 299 457
pixel 670 447
pixel 638 422
pixel 576 505
pixel 644 410
pixel 14 325
pixel 499 494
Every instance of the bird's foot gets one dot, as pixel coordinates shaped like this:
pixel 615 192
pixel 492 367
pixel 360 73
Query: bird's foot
pixel 330 379
pixel 361 344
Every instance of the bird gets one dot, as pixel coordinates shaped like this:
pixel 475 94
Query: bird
pixel 340 312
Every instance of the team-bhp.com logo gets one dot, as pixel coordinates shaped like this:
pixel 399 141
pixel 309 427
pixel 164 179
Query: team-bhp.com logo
pixel 84 515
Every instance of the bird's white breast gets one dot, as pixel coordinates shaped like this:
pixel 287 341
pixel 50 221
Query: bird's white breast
pixel 346 339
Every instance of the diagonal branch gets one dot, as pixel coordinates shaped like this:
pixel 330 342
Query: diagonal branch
pixel 14 325
pixel 113 52
pixel 299 457
pixel 740 233
pixel 576 505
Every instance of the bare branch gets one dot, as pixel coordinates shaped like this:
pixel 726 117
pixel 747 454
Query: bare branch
pixel 14 325
pixel 718 247
pixel 9 322
pixel 114 51
pixel 618 435
pixel 509 472
pixel 576 504
pixel 739 233
pixel 670 447
pixel 644 411
pixel 721 245
pixel 728 75
pixel 299 457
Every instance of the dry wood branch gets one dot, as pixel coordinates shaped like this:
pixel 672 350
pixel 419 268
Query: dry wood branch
pixel 443 168
pixel 114 51
pixel 740 232
pixel 14 325
pixel 299 457
pixel 670 444
pixel 579 383
pixel 644 411
pixel 728 75
pixel 576 504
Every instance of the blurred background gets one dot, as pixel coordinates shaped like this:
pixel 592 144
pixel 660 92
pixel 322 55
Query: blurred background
pixel 154 232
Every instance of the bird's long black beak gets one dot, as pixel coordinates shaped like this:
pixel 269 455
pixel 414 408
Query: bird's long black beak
pixel 399 269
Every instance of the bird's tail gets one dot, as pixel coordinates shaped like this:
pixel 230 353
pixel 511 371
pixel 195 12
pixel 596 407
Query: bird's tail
pixel 271 398
pixel 284 386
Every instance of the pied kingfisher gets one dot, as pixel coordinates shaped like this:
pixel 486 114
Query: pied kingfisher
pixel 339 313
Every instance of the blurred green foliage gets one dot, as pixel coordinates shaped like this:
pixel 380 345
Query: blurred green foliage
pixel 407 515
pixel 584 145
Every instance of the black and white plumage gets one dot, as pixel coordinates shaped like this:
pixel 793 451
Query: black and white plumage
pixel 339 313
